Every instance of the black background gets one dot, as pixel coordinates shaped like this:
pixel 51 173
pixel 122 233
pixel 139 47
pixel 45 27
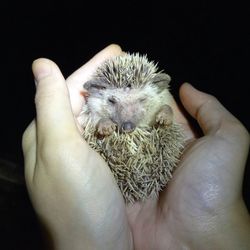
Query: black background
pixel 206 45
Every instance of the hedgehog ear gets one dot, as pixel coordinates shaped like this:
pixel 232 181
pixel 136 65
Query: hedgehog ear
pixel 95 86
pixel 162 81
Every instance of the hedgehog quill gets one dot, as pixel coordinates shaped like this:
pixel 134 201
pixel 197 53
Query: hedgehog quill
pixel 129 121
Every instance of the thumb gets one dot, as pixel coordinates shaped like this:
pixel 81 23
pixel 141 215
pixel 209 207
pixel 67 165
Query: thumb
pixel 54 115
pixel 215 120
pixel 206 109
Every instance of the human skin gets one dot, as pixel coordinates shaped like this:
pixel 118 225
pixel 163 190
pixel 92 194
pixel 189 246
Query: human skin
pixel 79 203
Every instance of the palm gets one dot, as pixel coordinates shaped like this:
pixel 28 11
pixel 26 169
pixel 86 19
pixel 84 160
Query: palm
pixel 204 186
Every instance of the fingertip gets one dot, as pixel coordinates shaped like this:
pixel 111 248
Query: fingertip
pixel 106 53
pixel 41 60
pixel 114 48
pixel 43 67
pixel 186 87
pixel 184 92
pixel 192 98
pixel 187 91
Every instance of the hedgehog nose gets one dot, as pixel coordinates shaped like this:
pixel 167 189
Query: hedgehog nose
pixel 128 126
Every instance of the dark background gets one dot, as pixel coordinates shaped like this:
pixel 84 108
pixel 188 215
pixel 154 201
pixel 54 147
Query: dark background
pixel 206 45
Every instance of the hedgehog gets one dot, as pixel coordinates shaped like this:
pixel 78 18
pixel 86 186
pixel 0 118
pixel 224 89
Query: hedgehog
pixel 128 119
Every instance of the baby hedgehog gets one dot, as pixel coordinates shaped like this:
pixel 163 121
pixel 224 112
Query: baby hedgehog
pixel 128 119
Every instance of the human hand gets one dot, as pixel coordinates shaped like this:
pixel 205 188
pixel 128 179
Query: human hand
pixel 70 185
pixel 73 191
pixel 202 206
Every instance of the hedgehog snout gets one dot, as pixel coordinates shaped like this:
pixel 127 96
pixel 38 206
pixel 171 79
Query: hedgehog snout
pixel 128 126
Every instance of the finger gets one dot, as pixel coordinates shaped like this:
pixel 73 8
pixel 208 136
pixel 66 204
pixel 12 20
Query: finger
pixel 225 145
pixel 209 113
pixel 79 77
pixel 54 115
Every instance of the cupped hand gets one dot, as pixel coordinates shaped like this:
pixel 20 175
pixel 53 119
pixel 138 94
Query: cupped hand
pixel 70 185
pixel 78 201
pixel 202 206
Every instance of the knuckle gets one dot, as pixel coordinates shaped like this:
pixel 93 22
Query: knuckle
pixel 25 137
pixel 28 137
pixel 241 130
pixel 210 100
pixel 209 103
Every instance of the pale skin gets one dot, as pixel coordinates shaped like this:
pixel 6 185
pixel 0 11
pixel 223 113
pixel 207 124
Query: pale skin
pixel 76 197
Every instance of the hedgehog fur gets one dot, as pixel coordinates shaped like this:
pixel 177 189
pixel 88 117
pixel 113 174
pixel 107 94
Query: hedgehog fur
pixel 143 158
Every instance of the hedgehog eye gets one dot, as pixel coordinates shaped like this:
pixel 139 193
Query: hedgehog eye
pixel 143 99
pixel 112 100
pixel 99 87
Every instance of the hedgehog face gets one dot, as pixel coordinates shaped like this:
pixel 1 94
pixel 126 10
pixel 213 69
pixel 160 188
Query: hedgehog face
pixel 126 107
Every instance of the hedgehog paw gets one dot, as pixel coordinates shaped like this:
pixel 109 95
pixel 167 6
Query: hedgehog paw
pixel 165 116
pixel 106 127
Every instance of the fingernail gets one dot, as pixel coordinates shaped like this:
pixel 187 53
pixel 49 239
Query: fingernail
pixel 41 69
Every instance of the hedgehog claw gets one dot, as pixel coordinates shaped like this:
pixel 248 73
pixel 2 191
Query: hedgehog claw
pixel 165 116
pixel 106 127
